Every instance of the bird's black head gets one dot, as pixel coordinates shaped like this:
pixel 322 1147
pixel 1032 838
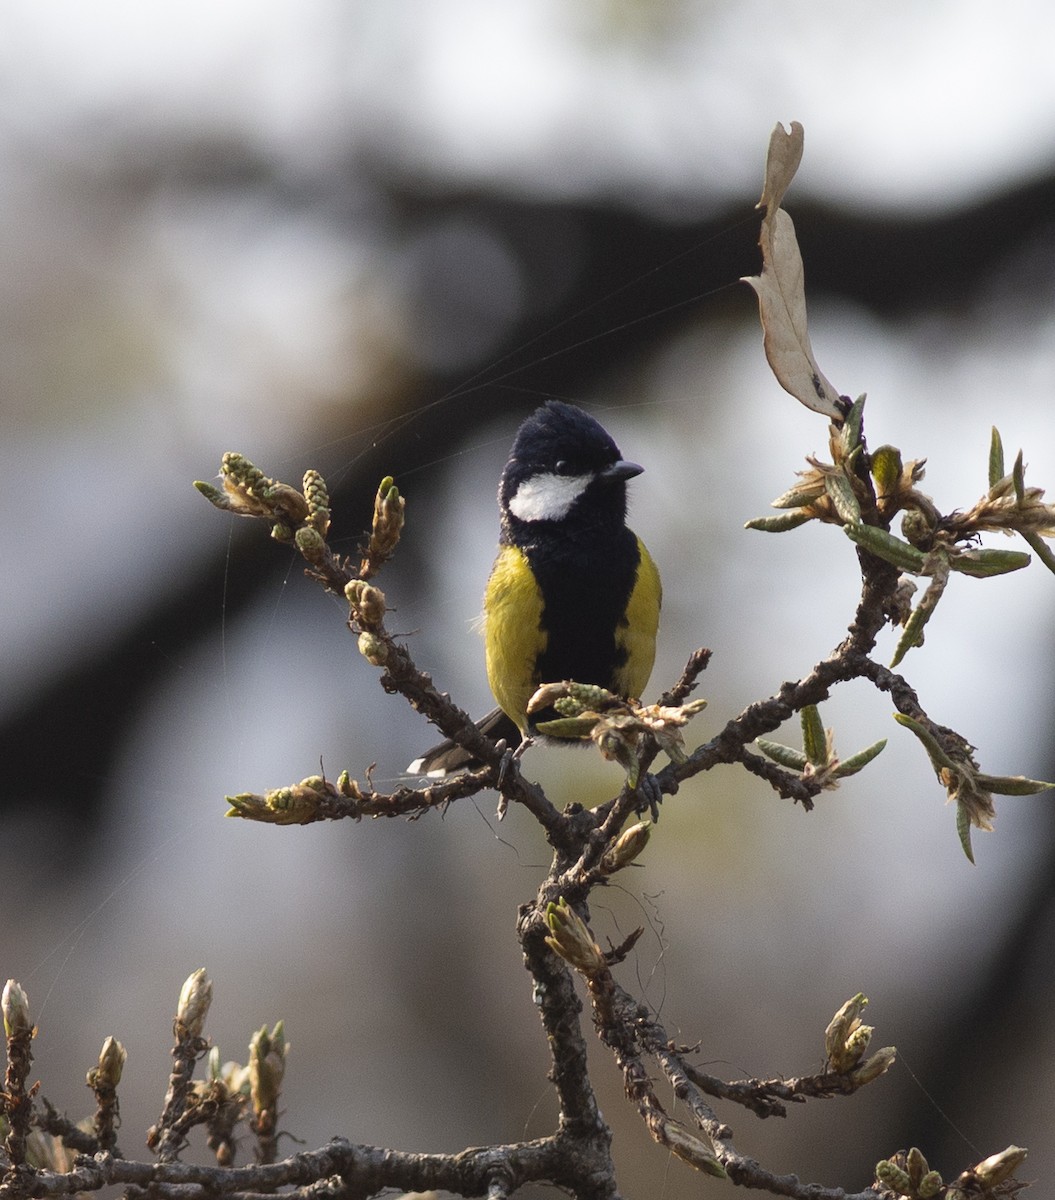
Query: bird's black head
pixel 564 467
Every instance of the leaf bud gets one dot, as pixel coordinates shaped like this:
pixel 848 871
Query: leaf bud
pixel 310 543
pixel 318 499
pixel 15 1004
pixel 998 1167
pixel 194 1000
pixel 366 602
pixel 106 1075
pixel 875 1065
pixel 267 1066
pixel 571 939
pixel 929 1186
pixel 628 846
pixel 892 1176
pixel 373 649
pixel 782 522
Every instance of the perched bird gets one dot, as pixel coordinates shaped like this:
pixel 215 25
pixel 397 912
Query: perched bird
pixel 573 593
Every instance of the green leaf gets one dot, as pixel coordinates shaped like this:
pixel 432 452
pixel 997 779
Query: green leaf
pixel 814 740
pixel 786 756
pixel 854 420
pixel 841 493
pixel 937 755
pixel 886 469
pixel 886 546
pixel 780 523
pixel 996 458
pixel 860 760
pixel 963 828
pixel 1043 550
pixel 1018 475
pixel 1012 785
pixel 983 564
pixel 912 634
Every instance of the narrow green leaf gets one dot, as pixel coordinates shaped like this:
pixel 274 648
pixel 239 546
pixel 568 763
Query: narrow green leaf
pixel 996 458
pixel 860 760
pixel 785 756
pixel 912 634
pixel 814 740
pixel 937 755
pixel 1012 785
pixel 841 493
pixel 796 497
pixel 1043 550
pixel 886 546
pixel 854 420
pixel 963 828
pixel 983 564
pixel 1018 474
pixel 781 523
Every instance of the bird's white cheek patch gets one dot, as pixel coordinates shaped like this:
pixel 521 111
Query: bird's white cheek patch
pixel 547 497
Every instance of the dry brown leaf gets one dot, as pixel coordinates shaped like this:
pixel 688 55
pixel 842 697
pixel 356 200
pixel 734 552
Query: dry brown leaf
pixel 780 289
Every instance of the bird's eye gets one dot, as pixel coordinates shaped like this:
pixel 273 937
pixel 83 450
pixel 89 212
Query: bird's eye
pixel 561 467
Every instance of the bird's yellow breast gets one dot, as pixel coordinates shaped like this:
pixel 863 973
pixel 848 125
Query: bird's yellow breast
pixel 638 635
pixel 515 636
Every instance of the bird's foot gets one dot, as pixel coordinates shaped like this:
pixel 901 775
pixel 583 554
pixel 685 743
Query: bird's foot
pixel 649 796
pixel 507 767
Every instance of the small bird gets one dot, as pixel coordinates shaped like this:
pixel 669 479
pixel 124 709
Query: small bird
pixel 573 593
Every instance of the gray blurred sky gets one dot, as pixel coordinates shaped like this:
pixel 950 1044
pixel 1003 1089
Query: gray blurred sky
pixel 153 317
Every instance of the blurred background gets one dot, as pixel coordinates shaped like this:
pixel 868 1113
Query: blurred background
pixel 370 238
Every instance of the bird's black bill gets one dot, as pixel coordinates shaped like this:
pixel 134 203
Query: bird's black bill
pixel 621 470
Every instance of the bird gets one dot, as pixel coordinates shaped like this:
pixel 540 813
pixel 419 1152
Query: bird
pixel 573 593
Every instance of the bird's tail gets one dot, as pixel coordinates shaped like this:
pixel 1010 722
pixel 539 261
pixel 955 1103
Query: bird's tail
pixel 449 757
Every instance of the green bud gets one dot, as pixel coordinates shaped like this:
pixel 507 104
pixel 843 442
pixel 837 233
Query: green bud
pixel 570 938
pixel 373 649
pixel 892 1176
pixel 840 1054
pixel 627 847
pixel 366 602
pixel 267 1066
pixel 916 1165
pixel 929 1186
pixel 106 1075
pixel 310 543
pixel 318 498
